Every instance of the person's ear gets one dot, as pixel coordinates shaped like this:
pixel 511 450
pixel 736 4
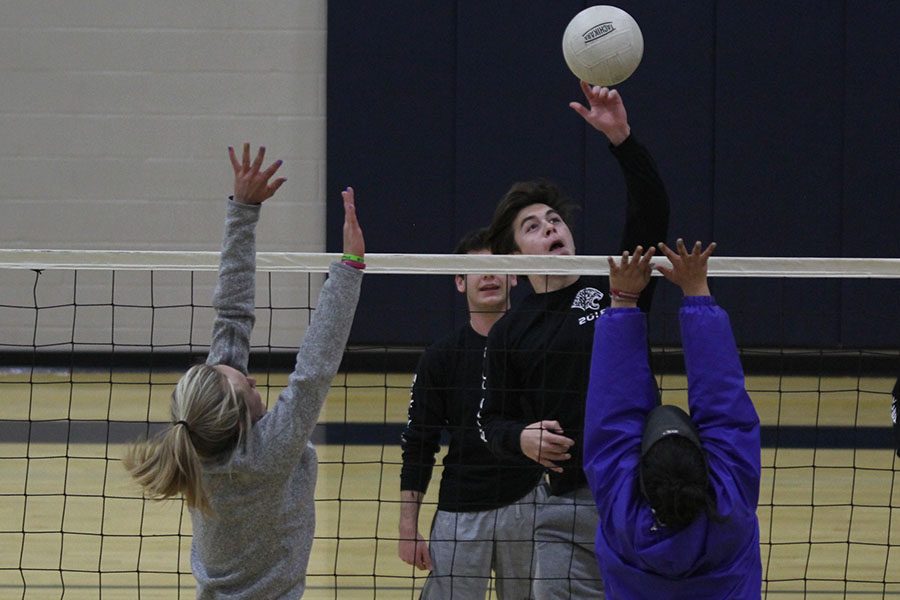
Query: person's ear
pixel 460 283
pixel 513 281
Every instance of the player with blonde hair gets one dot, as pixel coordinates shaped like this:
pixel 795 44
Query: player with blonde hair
pixel 248 475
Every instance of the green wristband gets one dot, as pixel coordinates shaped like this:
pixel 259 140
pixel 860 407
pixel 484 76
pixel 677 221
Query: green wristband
pixel 354 258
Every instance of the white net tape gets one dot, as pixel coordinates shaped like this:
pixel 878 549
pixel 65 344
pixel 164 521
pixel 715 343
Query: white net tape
pixel 448 264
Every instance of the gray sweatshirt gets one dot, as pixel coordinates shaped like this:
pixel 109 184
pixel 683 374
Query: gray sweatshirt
pixel 257 541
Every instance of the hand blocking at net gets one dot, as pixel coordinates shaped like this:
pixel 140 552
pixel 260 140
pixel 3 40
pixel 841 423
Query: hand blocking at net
pixel 629 277
pixel 689 269
pixel 231 459
pixel 252 186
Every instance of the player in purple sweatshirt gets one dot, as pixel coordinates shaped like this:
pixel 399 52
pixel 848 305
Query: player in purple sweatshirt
pixel 676 493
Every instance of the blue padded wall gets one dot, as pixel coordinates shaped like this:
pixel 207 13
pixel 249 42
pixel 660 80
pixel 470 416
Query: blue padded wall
pixel 775 126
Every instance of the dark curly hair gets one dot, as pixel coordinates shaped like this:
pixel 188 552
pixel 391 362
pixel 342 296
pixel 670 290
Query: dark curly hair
pixel 676 482
pixel 522 194
pixel 473 241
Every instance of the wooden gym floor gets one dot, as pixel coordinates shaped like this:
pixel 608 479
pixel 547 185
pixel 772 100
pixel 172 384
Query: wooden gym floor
pixel 72 525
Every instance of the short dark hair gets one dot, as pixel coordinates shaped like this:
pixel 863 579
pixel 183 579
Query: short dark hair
pixel 522 194
pixel 676 482
pixel 474 241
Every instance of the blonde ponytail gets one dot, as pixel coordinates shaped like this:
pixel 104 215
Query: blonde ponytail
pixel 209 420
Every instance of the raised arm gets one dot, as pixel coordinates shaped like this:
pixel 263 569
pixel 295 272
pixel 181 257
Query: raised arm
pixel 323 345
pixel 719 404
pixel 716 392
pixel 281 435
pixel 647 211
pixel 605 112
pixel 621 390
pixel 235 292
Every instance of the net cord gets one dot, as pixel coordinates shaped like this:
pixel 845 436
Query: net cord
pixel 447 264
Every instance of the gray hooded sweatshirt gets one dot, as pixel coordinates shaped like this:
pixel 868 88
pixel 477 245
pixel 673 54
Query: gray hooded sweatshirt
pixel 257 541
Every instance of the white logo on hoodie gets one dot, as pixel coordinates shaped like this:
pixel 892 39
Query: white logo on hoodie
pixel 588 299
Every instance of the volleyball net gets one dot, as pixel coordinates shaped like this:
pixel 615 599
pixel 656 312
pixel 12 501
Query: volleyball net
pixel 91 344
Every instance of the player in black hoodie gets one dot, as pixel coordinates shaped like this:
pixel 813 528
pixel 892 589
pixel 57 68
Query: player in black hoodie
pixel 538 356
pixel 485 512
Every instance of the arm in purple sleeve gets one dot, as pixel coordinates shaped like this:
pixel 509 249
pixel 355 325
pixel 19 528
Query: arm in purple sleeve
pixel 620 394
pixel 720 406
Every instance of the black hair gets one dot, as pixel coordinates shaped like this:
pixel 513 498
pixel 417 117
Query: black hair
pixel 676 482
pixel 522 194
pixel 473 241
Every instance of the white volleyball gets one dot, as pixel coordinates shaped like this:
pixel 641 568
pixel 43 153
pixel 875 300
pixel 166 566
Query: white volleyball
pixel 603 45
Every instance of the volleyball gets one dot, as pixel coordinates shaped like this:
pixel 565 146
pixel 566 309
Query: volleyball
pixel 603 45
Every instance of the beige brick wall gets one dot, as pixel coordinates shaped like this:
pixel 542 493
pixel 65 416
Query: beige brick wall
pixel 115 117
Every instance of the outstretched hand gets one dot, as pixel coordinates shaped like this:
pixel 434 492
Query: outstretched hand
pixel 605 112
pixel 252 186
pixel 688 269
pixel 630 276
pixel 353 236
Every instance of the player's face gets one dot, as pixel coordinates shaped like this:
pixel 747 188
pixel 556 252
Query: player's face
pixel 538 229
pixel 486 293
pixel 246 386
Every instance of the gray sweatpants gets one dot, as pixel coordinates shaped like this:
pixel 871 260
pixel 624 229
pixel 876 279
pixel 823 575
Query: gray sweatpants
pixel 564 551
pixel 466 546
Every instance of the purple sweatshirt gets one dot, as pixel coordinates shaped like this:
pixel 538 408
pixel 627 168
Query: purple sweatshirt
pixel 710 558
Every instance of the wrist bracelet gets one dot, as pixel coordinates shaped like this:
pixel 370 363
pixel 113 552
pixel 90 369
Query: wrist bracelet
pixel 353 258
pixel 620 295
pixel 355 264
